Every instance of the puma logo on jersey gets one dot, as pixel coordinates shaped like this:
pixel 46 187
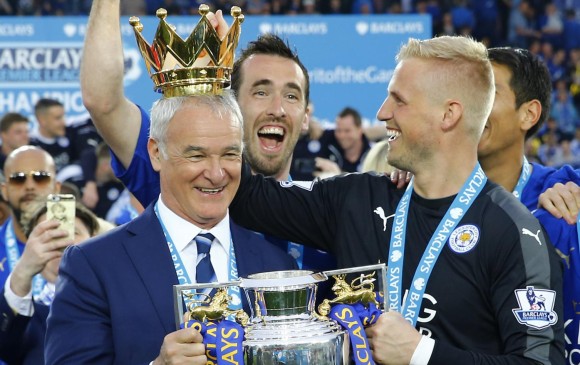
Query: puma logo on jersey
pixel 529 233
pixel 381 213
pixel 564 257
pixel 2 264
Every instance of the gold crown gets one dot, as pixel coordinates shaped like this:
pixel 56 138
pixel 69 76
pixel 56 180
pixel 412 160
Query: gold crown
pixel 201 64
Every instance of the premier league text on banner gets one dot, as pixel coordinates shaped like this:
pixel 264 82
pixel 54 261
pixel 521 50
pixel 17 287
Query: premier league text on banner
pixel 31 71
pixel 350 59
pixel 40 57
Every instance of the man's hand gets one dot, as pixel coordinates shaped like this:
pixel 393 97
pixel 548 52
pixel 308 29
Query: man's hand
pixel 218 23
pixel 392 339
pixel 184 346
pixel 45 243
pixel 326 168
pixel 562 201
pixel 400 178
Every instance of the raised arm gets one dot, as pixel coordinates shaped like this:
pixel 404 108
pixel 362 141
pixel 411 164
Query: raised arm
pixel 117 119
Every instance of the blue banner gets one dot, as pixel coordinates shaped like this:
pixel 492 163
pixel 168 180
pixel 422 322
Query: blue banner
pixel 350 58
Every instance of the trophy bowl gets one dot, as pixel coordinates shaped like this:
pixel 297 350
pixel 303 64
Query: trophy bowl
pixel 284 327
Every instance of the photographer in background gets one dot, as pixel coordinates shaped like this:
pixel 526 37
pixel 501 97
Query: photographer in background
pixel 344 148
pixel 323 153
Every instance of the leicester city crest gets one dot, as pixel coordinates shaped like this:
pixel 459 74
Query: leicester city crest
pixel 464 238
pixel 536 307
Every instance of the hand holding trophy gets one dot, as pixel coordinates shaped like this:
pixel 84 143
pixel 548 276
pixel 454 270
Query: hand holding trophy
pixel 283 326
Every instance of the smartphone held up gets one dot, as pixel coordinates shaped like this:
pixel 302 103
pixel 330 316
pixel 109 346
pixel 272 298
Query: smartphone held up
pixel 61 207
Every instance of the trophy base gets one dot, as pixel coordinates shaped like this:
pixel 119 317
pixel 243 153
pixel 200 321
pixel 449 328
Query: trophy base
pixel 329 349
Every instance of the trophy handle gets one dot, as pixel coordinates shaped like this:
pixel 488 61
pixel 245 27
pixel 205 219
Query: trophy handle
pixel 214 307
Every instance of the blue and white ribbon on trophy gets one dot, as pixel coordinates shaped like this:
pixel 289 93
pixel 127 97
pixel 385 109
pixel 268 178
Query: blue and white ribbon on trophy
pixel 222 340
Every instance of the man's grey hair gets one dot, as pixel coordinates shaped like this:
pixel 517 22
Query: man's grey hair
pixel 224 106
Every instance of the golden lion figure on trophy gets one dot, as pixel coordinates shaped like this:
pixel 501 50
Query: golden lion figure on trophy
pixel 360 290
pixel 215 310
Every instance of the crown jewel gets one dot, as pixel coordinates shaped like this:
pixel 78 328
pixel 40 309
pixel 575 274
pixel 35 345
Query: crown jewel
pixel 200 64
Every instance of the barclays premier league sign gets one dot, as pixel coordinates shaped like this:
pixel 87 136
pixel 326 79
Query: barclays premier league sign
pixel 350 58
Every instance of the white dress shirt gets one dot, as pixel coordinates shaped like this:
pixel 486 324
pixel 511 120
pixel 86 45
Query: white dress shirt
pixel 183 232
pixel 423 351
pixel 21 305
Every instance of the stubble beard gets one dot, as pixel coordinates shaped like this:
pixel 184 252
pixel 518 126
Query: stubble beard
pixel 410 160
pixel 19 217
pixel 266 165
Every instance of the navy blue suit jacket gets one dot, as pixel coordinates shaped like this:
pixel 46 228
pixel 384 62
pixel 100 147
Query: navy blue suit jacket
pixel 114 297
pixel 21 337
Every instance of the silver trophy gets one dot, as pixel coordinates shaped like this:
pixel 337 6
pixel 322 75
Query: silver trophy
pixel 284 326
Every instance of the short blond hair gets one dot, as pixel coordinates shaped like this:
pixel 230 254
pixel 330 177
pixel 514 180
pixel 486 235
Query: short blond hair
pixel 464 72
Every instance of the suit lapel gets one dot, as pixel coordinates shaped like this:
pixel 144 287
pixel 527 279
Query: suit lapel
pixel 147 248
pixel 247 257
pixel 148 251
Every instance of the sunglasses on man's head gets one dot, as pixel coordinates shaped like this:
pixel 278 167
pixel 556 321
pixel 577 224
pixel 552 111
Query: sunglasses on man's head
pixel 39 177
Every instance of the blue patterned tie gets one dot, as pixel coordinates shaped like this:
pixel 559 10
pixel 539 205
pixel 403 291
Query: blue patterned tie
pixel 204 272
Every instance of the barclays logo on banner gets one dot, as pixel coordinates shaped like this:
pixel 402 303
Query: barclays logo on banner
pixel 74 29
pixel 362 28
pixel 394 27
pixel 12 30
pixel 70 30
pixel 294 28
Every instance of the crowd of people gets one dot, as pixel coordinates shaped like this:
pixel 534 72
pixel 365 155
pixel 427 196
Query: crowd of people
pixel 82 159
pixel 462 119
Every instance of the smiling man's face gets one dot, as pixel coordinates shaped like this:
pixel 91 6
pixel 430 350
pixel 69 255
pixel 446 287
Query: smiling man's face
pixel 272 99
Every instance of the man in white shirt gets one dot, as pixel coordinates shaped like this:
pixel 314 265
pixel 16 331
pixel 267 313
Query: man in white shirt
pixel 124 280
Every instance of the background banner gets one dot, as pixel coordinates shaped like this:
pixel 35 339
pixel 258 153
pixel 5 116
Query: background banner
pixel 350 58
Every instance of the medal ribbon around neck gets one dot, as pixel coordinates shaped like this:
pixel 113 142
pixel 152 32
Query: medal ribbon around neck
pixel 523 180
pixel 462 202
pixel 13 255
pixel 183 276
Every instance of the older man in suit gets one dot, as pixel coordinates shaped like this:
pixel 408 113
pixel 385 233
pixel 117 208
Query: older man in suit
pixel 114 302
